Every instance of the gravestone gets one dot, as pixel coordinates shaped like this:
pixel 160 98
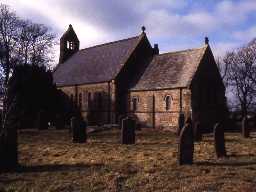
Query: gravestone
pixel 186 144
pixel 120 120
pixel 59 122
pixel 245 128
pixel 181 123
pixel 197 131
pixel 79 127
pixel 128 131
pixel 219 140
pixel 41 121
pixel 8 140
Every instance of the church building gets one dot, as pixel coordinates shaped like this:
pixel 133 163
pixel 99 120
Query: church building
pixel 130 77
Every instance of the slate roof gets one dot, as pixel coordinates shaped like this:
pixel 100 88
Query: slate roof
pixel 171 70
pixel 96 64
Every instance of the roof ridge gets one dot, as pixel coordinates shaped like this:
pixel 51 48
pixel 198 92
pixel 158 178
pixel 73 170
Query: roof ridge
pixel 109 43
pixel 185 50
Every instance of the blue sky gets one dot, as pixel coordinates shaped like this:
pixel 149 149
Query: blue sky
pixel 173 24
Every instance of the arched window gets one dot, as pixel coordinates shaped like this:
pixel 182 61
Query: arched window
pixel 85 99
pixel 70 45
pixel 89 98
pixel 80 100
pixel 135 103
pixel 168 102
pixel 72 98
pixel 99 101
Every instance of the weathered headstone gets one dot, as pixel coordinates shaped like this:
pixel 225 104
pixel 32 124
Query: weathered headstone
pixel 59 122
pixel 186 144
pixel 8 140
pixel 245 128
pixel 197 131
pixel 219 140
pixel 120 120
pixel 181 123
pixel 41 121
pixel 79 127
pixel 128 131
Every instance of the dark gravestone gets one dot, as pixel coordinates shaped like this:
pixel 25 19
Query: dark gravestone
pixel 219 140
pixel 120 120
pixel 59 122
pixel 245 128
pixel 79 127
pixel 186 144
pixel 181 123
pixel 197 131
pixel 8 140
pixel 128 131
pixel 73 122
pixel 41 121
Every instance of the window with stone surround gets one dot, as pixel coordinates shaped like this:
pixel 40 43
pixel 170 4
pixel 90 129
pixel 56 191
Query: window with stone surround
pixel 135 101
pixel 72 98
pixel 168 102
pixel 85 102
pixel 89 98
pixel 99 101
pixel 80 100
pixel 70 45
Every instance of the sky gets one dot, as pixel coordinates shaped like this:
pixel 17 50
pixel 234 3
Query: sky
pixel 173 24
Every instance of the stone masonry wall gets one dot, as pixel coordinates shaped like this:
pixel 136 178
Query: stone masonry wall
pixel 101 107
pixel 160 116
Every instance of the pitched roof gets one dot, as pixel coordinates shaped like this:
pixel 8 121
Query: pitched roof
pixel 100 63
pixel 70 33
pixel 171 70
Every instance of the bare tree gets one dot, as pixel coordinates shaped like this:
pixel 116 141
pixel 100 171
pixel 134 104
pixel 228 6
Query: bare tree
pixel 21 42
pixel 9 35
pixel 223 69
pixel 35 42
pixel 240 76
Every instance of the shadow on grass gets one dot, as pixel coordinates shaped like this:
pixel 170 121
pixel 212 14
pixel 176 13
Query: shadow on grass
pixel 105 142
pixel 53 168
pixel 230 162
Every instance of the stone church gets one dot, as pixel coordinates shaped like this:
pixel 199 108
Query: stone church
pixel 130 77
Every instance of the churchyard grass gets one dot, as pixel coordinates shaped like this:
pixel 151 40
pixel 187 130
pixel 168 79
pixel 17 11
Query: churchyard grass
pixel 51 162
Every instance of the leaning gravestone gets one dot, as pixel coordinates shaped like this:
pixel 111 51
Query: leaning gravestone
pixel 197 132
pixel 128 131
pixel 186 144
pixel 245 128
pixel 41 121
pixel 79 128
pixel 219 140
pixel 181 123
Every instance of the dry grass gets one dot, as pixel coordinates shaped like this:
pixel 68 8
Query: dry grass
pixel 50 162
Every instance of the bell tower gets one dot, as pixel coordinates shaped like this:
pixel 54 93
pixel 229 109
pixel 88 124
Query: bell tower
pixel 69 44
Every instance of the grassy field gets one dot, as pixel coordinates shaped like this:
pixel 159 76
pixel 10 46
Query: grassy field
pixel 51 162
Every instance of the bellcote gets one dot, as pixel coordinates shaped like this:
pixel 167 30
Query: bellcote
pixel 69 44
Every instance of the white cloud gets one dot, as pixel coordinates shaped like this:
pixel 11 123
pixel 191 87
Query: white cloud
pixel 163 19
pixel 232 13
pixel 165 24
pixel 87 33
pixel 201 21
pixel 245 35
pixel 146 5
pixel 220 48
